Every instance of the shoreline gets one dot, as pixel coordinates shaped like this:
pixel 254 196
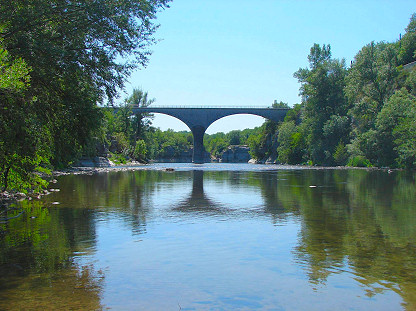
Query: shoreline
pixel 9 197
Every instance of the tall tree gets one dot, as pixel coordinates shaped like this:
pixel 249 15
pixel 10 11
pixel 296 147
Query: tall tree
pixel 370 83
pixel 141 121
pixel 80 53
pixel 322 91
pixel 407 45
pixel 23 140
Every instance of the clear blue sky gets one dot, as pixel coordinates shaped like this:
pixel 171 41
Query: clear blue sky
pixel 244 52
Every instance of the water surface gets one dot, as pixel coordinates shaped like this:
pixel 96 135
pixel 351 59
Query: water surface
pixel 215 237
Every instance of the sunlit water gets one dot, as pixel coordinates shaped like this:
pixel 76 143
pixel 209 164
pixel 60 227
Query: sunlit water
pixel 215 237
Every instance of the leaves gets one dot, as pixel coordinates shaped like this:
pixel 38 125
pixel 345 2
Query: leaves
pixel 58 60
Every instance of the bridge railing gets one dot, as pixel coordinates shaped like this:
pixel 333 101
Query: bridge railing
pixel 207 107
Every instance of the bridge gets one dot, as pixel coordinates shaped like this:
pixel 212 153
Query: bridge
pixel 198 119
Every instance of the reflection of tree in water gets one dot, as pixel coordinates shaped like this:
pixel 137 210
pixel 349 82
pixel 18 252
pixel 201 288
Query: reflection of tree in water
pixel 355 222
pixel 36 265
pixel 125 193
pixel 278 206
pixel 363 222
pixel 71 289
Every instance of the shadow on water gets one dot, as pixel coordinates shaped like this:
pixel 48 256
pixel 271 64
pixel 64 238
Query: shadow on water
pixel 362 223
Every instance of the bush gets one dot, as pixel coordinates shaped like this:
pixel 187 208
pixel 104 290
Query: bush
pixel 140 150
pixel 340 154
pixel 359 161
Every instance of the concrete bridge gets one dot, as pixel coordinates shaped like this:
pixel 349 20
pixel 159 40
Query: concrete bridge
pixel 199 119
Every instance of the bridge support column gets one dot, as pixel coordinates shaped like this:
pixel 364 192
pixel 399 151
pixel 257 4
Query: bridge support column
pixel 199 150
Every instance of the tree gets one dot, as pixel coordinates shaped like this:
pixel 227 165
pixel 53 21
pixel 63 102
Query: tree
pixel 407 45
pixel 280 104
pixel 23 141
pixel 140 150
pixel 370 82
pixel 234 137
pixel 291 149
pixel 322 91
pixel 140 121
pixel 80 53
pixel 395 126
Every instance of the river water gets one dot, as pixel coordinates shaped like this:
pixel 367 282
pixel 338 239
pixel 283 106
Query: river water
pixel 215 237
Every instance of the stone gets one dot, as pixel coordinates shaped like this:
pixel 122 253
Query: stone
pixel 236 154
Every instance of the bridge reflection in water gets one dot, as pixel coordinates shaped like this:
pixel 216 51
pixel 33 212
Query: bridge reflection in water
pixel 199 119
pixel 264 190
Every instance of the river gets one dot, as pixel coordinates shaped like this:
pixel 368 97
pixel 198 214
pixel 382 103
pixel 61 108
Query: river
pixel 215 237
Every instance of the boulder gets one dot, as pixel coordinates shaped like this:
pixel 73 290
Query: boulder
pixel 236 154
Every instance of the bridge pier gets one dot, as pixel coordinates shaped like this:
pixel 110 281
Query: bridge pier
pixel 199 150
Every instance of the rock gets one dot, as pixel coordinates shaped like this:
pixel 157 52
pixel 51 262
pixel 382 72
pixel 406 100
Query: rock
pixel 236 154
pixel 20 196
pixel 95 162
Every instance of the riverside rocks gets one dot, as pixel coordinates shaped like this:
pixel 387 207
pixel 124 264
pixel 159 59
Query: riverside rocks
pixel 236 154
pixel 95 162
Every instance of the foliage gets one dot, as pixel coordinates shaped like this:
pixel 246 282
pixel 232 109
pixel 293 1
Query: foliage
pixel 395 125
pixel 370 82
pixel 217 143
pixel 407 45
pixel 322 91
pixel 167 144
pixel 254 143
pixel 341 154
pixel 140 150
pixel 280 104
pixel 358 161
pixel 364 115
pixel 58 60
pixel 292 146
pixel 140 122
pixel 23 145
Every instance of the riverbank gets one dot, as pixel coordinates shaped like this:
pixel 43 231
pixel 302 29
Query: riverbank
pixel 9 197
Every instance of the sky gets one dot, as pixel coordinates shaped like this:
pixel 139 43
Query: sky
pixel 244 53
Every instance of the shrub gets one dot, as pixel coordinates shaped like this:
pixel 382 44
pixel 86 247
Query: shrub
pixel 359 161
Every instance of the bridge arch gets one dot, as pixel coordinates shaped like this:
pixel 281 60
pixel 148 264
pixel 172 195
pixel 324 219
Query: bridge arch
pixel 163 118
pixel 235 122
pixel 199 119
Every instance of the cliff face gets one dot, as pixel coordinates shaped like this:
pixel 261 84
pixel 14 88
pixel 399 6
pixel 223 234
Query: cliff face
pixel 236 154
pixel 185 156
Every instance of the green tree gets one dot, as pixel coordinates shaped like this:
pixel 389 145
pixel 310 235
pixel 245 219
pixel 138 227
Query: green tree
pixel 322 91
pixel 80 53
pixel 280 104
pixel 291 149
pixel 140 150
pixel 141 121
pixel 24 142
pixel 234 137
pixel 395 130
pixel 370 82
pixel 407 45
